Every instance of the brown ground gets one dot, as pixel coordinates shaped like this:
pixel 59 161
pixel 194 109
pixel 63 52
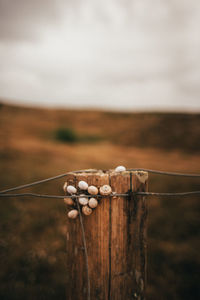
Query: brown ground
pixel 32 231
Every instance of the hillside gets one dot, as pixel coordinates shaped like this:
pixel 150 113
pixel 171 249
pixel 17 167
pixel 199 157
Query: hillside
pixel 39 143
pixel 158 130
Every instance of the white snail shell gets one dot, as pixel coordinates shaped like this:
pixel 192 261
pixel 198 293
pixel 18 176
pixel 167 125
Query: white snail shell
pixel 105 190
pixel 72 214
pixel 71 189
pixel 93 203
pixel 120 169
pixel 83 185
pixel 83 200
pixel 93 190
pixel 65 187
pixel 68 201
pixel 86 210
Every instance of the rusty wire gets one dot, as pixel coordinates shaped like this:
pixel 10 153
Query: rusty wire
pixel 90 170
pixel 41 181
pixel 3 194
pixel 100 196
pixel 166 173
pixel 85 249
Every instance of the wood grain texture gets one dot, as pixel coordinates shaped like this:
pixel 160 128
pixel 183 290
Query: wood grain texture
pixel 96 228
pixel 121 271
pixel 139 214
pixel 128 246
pixel 116 241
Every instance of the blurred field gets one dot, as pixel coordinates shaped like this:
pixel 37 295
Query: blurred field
pixel 32 231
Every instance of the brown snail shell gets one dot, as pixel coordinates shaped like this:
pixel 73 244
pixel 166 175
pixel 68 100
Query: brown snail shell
pixel 86 210
pixel 93 190
pixel 68 201
pixel 72 214
pixel 65 187
pixel 93 203
pixel 105 190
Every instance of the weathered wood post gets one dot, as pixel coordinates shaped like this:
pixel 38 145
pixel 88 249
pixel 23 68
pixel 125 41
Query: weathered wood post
pixel 116 240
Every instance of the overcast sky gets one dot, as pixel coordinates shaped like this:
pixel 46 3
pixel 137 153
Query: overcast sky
pixel 116 54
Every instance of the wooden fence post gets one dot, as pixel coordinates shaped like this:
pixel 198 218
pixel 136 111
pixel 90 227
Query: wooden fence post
pixel 116 241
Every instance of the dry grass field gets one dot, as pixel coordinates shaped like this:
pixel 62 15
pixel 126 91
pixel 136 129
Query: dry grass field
pixel 39 143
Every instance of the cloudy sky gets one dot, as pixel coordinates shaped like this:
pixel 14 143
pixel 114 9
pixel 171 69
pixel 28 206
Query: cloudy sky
pixel 115 54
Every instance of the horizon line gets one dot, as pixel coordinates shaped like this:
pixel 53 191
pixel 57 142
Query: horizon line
pixel 31 104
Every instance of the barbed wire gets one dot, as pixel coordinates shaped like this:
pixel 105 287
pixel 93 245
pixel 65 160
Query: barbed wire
pixel 93 170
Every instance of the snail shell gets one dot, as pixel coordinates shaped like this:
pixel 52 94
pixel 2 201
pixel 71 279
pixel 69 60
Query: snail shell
pixel 83 185
pixel 105 190
pixel 86 210
pixel 65 187
pixel 93 203
pixel 68 201
pixel 71 189
pixel 120 169
pixel 72 214
pixel 83 200
pixel 93 190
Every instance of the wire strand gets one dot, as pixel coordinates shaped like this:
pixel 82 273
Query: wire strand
pixel 85 249
pixel 32 195
pixel 42 181
pixel 167 194
pixel 94 170
pixel 166 173
pixel 3 193
pixel 100 196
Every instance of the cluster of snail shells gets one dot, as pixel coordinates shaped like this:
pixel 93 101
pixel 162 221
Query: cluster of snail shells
pixel 87 198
